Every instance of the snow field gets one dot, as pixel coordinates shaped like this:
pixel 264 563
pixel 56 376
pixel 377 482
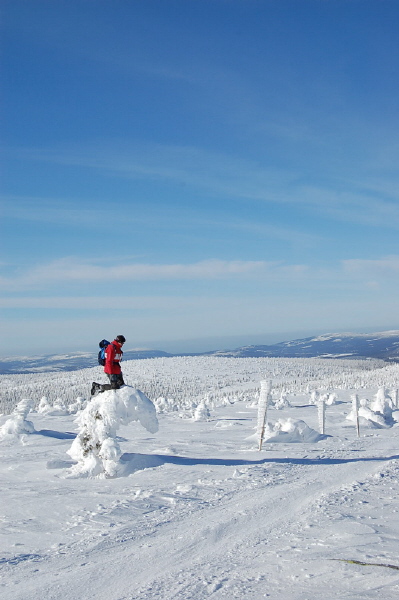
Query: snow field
pixel 198 512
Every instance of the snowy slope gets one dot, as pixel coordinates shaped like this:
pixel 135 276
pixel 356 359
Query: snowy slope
pixel 199 512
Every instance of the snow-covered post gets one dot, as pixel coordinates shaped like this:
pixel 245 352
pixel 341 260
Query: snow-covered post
pixel 264 398
pixel 355 412
pixel 321 411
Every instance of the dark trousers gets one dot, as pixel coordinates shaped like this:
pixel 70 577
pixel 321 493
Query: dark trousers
pixel 116 381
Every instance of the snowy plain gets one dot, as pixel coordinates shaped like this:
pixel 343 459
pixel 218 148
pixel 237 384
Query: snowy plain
pixel 197 511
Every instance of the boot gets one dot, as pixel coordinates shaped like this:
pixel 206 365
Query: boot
pixel 95 388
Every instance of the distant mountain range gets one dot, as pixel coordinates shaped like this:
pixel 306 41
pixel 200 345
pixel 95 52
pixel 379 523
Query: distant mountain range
pixel 383 345
pixel 66 362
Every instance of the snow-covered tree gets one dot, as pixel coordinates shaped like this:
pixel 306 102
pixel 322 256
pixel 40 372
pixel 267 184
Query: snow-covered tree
pixel 314 397
pixel 18 425
pixel 76 406
pixel 202 413
pixel 378 414
pixel 44 406
pixel 96 448
pixel 383 404
pixel 331 398
pixel 59 408
pixel 282 402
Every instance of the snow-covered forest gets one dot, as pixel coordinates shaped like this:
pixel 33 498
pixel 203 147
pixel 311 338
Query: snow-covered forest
pixel 187 380
pixel 204 477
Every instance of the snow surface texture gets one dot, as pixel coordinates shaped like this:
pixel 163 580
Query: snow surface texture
pixel 198 512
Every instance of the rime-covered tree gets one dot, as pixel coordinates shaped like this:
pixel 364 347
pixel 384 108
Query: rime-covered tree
pixel 96 448
pixel 18 425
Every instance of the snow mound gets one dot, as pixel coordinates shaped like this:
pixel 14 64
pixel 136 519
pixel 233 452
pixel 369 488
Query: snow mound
pixel 379 413
pixel 291 431
pixel 282 402
pixel 95 448
pixel 17 424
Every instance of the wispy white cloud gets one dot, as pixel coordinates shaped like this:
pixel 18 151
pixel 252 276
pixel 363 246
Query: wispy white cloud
pixel 78 212
pixel 388 265
pixel 71 269
pixel 189 165
pixel 363 205
pixel 363 197
pixel 142 303
pixel 274 275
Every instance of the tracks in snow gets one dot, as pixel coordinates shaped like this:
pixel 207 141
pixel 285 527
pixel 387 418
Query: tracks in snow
pixel 231 538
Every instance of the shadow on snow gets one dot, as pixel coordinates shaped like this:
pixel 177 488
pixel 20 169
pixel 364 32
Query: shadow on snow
pixel 59 435
pixel 136 462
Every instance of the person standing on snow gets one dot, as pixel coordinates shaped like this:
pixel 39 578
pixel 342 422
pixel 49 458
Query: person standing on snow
pixel 112 367
pixel 113 357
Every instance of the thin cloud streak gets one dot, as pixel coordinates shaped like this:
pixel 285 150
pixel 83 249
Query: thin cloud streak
pixel 146 303
pixel 342 198
pixel 345 275
pixel 73 212
pixel 376 267
pixel 71 269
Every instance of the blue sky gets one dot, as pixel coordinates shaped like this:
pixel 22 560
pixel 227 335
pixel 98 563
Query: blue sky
pixel 206 171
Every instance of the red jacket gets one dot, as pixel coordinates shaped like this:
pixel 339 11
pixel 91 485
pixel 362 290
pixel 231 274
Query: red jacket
pixel 113 356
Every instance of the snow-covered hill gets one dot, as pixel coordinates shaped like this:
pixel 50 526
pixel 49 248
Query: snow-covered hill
pixel 383 345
